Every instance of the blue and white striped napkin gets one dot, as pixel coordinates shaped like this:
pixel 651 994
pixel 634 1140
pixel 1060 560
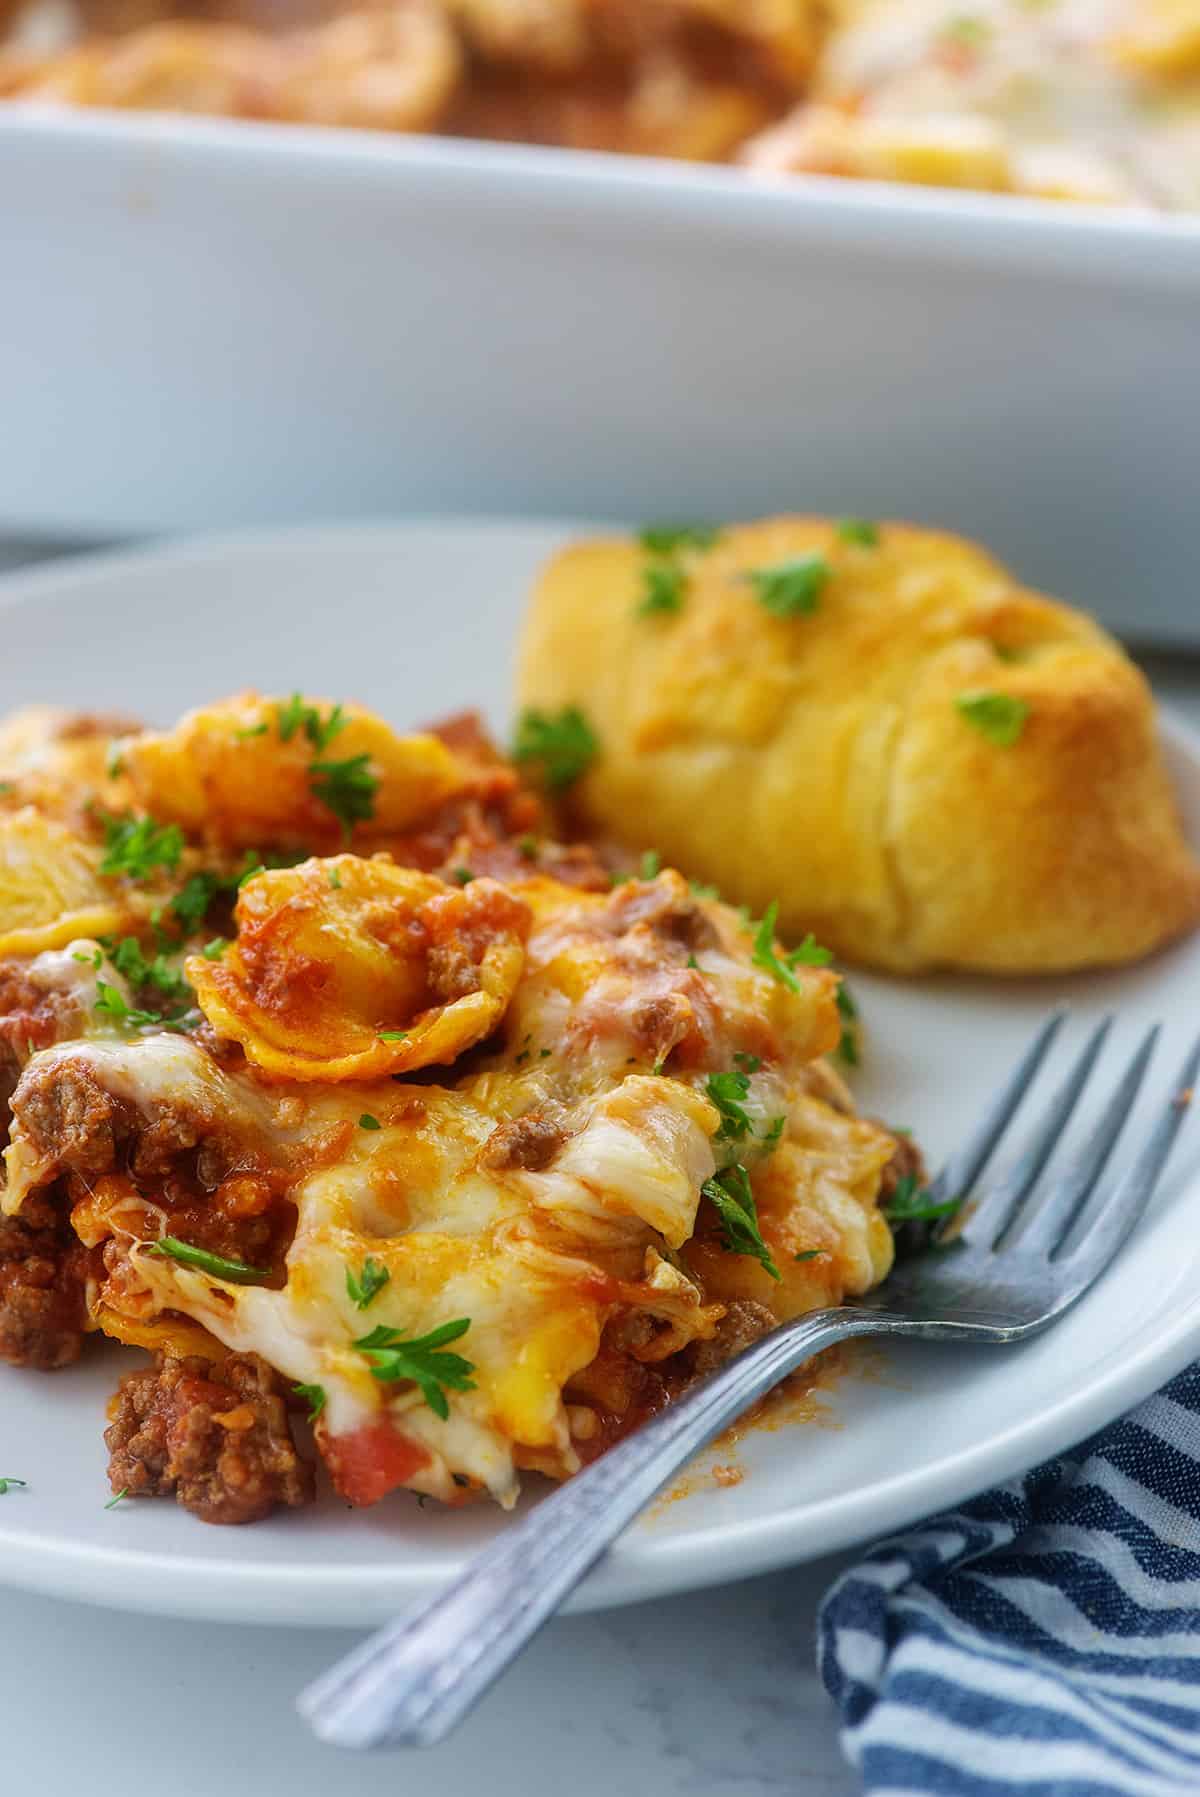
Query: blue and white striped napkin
pixel 1045 1638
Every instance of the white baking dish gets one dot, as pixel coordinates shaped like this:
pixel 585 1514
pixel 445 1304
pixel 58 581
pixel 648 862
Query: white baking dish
pixel 212 324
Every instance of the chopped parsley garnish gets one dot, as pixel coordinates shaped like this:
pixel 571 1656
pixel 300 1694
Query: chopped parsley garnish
pixel 669 539
pixel 663 586
pixel 127 957
pixel 191 902
pixel 809 954
pixel 764 955
pixel 847 1047
pixel 911 1203
pixel 212 951
pixel 236 1272
pixel 363 1287
pixel 347 787
pixel 692 962
pixel 314 1396
pixel 749 1063
pixel 7 1484
pixel 252 730
pixel 393 1035
pixel 463 876
pixel 998 716
pixel 774 1135
pixel 114 764
pixel 111 1003
pixel 726 1091
pixel 335 878
pixel 115 1499
pixel 6 786
pixel 527 847
pixel 298 714
pixel 733 1200
pixel 791 588
pixel 421 1360
pixel 859 531
pixel 366 1121
pixel 136 846
pixel 701 891
pixel 809 1254
pixel 650 865
pixel 562 744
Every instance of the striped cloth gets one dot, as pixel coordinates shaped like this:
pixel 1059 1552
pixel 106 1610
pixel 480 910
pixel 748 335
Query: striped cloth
pixel 1045 1638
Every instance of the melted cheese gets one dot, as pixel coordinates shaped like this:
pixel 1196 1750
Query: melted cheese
pixel 543 1187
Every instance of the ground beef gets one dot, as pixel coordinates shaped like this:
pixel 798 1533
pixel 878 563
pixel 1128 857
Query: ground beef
pixel 676 921
pixel 744 1323
pixel 451 972
pixel 659 1024
pixel 69 1118
pixel 530 1142
pixel 42 1271
pixel 217 1437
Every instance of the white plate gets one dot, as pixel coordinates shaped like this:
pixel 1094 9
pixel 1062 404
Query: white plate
pixel 205 325
pixel 418 620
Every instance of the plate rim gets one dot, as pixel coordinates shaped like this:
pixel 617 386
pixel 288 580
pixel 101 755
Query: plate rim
pixel 639 1567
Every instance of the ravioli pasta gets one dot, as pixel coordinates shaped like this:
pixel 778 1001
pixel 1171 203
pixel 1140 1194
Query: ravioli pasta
pixel 331 1078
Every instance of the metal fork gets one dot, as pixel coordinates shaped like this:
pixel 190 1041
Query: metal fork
pixel 1015 1267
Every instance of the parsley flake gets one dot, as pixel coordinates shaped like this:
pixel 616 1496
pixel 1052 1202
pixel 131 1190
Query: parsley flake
pixel 363 1287
pixel 366 1121
pixel 298 714
pixel 6 786
pixel 669 539
pixel 420 1360
pixel 791 588
pixel 650 865
pixel 7 1484
pixel 236 1272
pixel 191 902
pixel 809 1254
pixel 335 878
pixel 314 1396
pixel 847 1048
pixel 463 876
pixel 562 744
pixel 859 531
pixel 733 1200
pixel 136 846
pixel 663 586
pixel 111 1003
pixel 998 716
pixel 347 787
pixel 910 1203
pixel 212 951
pixel 115 1499
pixel 726 1091
pixel 393 1035
pixel 774 1135
pixel 749 1063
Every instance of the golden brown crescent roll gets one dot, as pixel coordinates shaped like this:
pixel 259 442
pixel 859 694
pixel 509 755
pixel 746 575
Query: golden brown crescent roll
pixel 925 763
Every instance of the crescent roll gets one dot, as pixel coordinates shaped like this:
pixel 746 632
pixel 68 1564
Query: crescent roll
pixel 923 762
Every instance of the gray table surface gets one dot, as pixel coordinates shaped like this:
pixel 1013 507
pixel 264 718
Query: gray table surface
pixel 710 1695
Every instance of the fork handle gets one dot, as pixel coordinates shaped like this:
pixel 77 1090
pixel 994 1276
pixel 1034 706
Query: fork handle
pixel 411 1683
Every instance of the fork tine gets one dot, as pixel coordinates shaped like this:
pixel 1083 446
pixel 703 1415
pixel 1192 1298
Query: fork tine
pixel 997 1212
pixel 963 1169
pixel 1104 1236
pixel 1055 1216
